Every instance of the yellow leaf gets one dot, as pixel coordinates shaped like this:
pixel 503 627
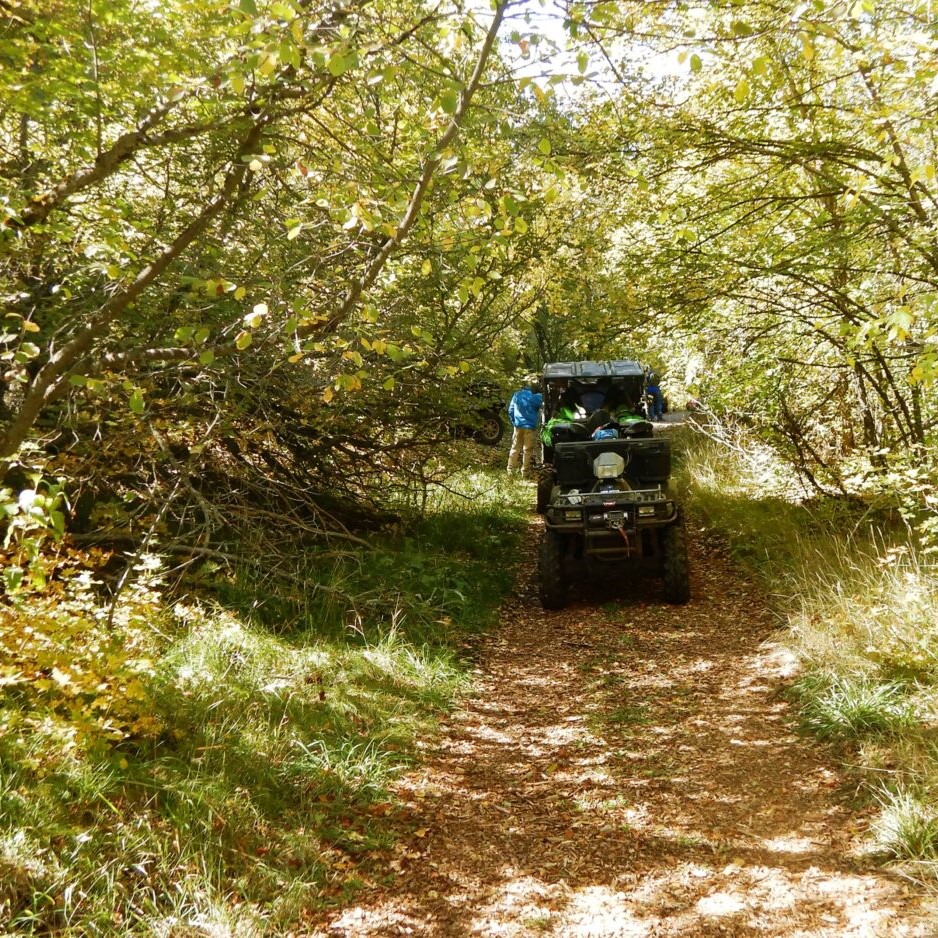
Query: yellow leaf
pixel 328 394
pixel 426 268
pixel 807 47
pixel 29 326
pixel 240 293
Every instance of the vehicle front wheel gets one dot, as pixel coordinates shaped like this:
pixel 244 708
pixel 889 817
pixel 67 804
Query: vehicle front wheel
pixel 553 580
pixel 545 485
pixel 676 567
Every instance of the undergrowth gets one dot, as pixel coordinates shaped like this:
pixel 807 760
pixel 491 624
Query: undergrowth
pixel 237 773
pixel 859 599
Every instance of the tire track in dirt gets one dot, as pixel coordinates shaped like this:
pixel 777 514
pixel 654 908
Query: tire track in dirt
pixel 628 768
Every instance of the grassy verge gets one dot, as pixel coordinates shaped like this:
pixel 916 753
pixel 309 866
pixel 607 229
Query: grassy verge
pixel 223 766
pixel 861 605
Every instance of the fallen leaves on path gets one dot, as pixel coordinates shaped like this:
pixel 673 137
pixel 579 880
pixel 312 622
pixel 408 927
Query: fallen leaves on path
pixel 628 768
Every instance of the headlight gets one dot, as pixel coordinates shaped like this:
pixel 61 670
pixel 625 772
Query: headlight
pixel 646 511
pixel 573 515
pixel 608 466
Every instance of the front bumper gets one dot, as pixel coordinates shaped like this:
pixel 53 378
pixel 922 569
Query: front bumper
pixel 598 513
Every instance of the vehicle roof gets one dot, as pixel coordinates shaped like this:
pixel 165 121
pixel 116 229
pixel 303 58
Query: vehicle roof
pixel 591 371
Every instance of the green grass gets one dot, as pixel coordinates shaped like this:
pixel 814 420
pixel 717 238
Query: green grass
pixel 858 600
pixel 907 826
pixel 287 699
pixel 853 709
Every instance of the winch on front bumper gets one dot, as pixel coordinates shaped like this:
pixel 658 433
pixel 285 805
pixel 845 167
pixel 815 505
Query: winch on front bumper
pixel 610 522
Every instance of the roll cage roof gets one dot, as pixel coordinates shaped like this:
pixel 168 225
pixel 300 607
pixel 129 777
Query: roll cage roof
pixel 592 371
pixel 591 385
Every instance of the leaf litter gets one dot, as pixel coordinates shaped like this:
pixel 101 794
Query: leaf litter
pixel 629 768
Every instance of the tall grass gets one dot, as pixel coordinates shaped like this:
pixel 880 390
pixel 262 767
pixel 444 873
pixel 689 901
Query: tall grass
pixel 285 707
pixel 859 602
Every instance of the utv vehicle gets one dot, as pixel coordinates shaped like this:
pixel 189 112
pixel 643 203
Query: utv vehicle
pixel 602 486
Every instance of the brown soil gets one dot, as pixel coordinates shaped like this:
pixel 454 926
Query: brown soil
pixel 629 768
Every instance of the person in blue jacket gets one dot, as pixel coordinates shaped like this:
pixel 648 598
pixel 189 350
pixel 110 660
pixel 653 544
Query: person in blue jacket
pixel 653 390
pixel 523 411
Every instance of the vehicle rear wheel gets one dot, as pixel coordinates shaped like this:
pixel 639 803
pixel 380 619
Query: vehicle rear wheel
pixel 545 483
pixel 491 429
pixel 676 567
pixel 553 579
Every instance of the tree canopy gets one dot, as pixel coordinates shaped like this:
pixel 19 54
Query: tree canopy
pixel 296 234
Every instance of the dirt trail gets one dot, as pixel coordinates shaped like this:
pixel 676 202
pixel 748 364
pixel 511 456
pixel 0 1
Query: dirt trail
pixel 629 768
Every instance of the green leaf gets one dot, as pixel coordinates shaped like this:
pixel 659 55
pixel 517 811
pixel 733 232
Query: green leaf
pixel 289 54
pixel 243 340
pixel 57 519
pixel 742 91
pixel 137 403
pixel 544 146
pixel 449 101
pixel 337 64
pixel 696 63
pixel 248 7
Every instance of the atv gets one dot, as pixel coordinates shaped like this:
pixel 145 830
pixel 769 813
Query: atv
pixel 485 420
pixel 602 485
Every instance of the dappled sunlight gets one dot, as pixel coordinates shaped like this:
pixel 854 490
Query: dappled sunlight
pixel 635 779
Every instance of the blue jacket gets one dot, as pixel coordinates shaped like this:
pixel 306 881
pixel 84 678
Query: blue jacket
pixel 523 408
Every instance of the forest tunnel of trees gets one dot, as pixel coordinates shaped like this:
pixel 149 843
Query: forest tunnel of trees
pixel 258 256
pixel 279 235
